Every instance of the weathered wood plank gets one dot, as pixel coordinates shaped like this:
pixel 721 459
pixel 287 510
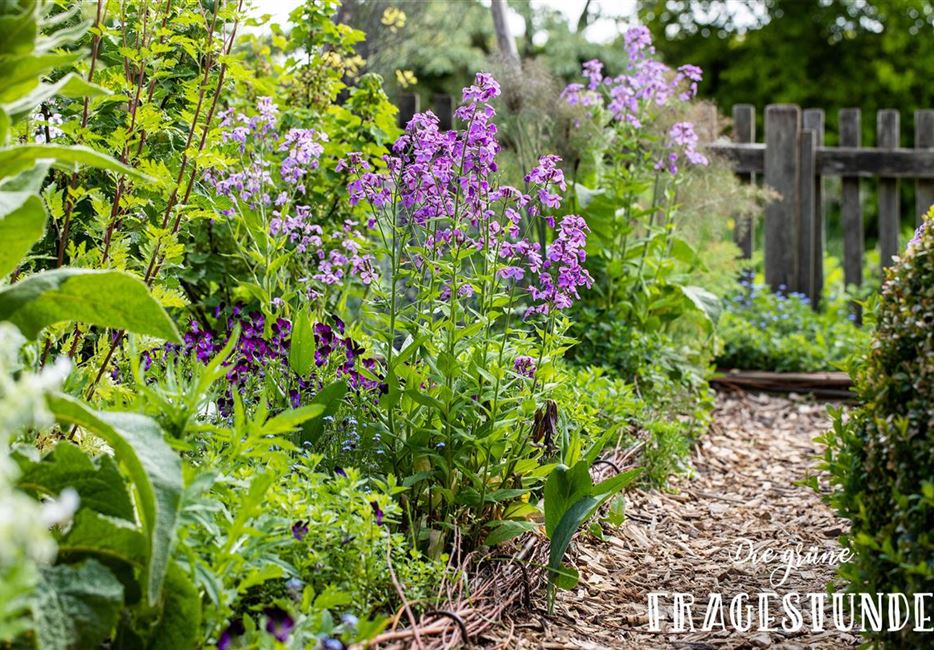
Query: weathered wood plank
pixel 813 119
pixel 839 161
pixel 924 139
pixel 408 107
pixel 887 133
pixel 851 208
pixel 806 215
pixel 744 132
pixel 782 125
pixel 443 107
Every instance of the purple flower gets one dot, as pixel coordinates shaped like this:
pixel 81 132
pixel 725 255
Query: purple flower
pixel 235 629
pixel 279 623
pixel 377 513
pixel 918 234
pixel 525 366
pixel 300 529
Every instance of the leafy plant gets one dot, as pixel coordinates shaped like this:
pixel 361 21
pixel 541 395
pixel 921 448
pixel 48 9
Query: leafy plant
pixel 760 329
pixel 570 499
pixel 878 455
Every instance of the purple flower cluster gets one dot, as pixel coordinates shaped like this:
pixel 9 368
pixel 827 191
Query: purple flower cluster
pixel 525 366
pixel 648 84
pixel 257 353
pixel 271 178
pixel 441 184
pixel 682 142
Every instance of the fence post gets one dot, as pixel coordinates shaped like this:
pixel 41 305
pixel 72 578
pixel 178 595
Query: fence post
pixel 443 106
pixel 408 107
pixel 813 119
pixel 924 139
pixel 744 132
pixel 807 214
pixel 782 125
pixel 851 209
pixel 887 131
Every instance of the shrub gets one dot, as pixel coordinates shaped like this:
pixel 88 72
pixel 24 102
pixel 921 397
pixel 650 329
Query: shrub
pixel 881 458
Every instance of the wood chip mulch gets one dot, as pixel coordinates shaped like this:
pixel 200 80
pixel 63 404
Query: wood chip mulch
pixel 742 487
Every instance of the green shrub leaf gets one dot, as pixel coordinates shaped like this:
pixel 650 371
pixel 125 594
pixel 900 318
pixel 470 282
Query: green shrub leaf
pixel 105 298
pixel 22 222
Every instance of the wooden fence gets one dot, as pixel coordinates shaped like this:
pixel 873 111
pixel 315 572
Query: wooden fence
pixel 793 161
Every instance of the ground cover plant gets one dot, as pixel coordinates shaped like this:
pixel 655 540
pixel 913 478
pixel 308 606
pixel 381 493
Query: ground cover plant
pixel 761 329
pixel 268 363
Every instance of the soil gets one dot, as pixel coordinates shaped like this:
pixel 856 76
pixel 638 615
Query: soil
pixel 743 491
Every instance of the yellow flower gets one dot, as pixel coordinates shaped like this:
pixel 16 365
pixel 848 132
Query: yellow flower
pixel 406 78
pixel 393 18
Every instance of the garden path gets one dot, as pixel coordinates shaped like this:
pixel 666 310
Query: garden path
pixel 743 486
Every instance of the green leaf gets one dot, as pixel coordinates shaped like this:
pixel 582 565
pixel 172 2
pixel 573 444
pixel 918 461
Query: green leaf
pixel 292 419
pixel 302 347
pixel 508 529
pixel 565 577
pixel 179 626
pixel 22 223
pixel 27 181
pixel 105 298
pixel 71 85
pixel 153 468
pixel 607 488
pixel 705 301
pixel 564 531
pixel 77 605
pixel 330 397
pixel 95 534
pixel 21 74
pixel 18 158
pixel 564 487
pixel 100 486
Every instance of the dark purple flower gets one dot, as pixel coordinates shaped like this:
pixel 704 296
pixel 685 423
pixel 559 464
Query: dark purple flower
pixel 377 512
pixel 300 529
pixel 235 629
pixel 340 471
pixel 279 623
pixel 525 366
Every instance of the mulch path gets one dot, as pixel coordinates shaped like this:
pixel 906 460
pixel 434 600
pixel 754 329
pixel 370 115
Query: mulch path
pixel 742 487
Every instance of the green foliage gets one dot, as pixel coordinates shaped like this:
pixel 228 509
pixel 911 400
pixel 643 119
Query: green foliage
pixel 879 455
pixel 762 330
pixel 571 498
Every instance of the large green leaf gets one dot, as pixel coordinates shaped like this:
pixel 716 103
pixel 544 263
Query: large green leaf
pixel 579 511
pixel 21 74
pixel 564 487
pixel 302 346
pixel 178 628
pixel 153 468
pixel 100 485
pixel 77 605
pixel 95 534
pixel 18 158
pixel 22 222
pixel 19 29
pixel 105 298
